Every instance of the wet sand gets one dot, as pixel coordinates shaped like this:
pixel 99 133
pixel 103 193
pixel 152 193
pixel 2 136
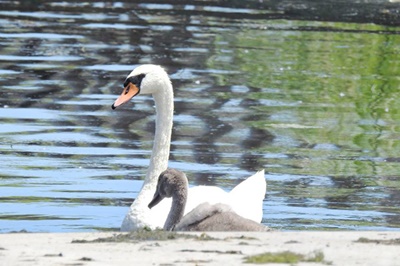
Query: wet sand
pixel 221 248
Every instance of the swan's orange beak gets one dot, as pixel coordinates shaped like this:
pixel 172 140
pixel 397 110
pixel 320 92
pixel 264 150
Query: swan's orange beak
pixel 128 93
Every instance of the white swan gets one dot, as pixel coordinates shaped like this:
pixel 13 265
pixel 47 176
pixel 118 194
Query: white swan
pixel 205 217
pixel 246 199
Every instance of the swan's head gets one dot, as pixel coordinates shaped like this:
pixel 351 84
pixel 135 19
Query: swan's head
pixel 170 182
pixel 145 79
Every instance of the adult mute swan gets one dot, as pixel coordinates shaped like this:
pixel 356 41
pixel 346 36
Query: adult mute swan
pixel 246 199
pixel 205 217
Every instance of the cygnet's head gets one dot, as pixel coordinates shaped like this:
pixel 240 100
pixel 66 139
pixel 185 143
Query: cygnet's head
pixel 169 182
pixel 145 79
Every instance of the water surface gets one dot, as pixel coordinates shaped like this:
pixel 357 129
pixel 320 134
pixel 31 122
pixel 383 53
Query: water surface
pixel 312 97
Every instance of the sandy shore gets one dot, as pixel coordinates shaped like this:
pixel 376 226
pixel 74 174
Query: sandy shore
pixel 324 248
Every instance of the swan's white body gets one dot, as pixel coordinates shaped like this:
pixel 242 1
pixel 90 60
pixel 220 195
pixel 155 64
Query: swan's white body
pixel 246 199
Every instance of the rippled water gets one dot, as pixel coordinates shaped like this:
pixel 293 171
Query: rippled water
pixel 313 99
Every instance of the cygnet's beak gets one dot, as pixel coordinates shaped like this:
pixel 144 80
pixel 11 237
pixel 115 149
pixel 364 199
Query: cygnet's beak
pixel 128 93
pixel 156 199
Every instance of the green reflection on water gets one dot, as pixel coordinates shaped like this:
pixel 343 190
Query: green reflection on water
pixel 330 98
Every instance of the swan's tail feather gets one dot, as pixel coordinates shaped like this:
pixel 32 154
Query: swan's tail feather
pixel 247 197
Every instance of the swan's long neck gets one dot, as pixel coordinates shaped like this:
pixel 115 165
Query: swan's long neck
pixel 162 139
pixel 175 215
pixel 164 104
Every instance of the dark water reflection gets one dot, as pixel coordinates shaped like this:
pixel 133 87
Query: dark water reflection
pixel 312 97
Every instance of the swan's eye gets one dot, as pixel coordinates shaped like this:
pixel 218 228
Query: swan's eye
pixel 135 80
pixel 126 83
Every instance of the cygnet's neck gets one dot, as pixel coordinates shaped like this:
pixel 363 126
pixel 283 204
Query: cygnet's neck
pixel 179 199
